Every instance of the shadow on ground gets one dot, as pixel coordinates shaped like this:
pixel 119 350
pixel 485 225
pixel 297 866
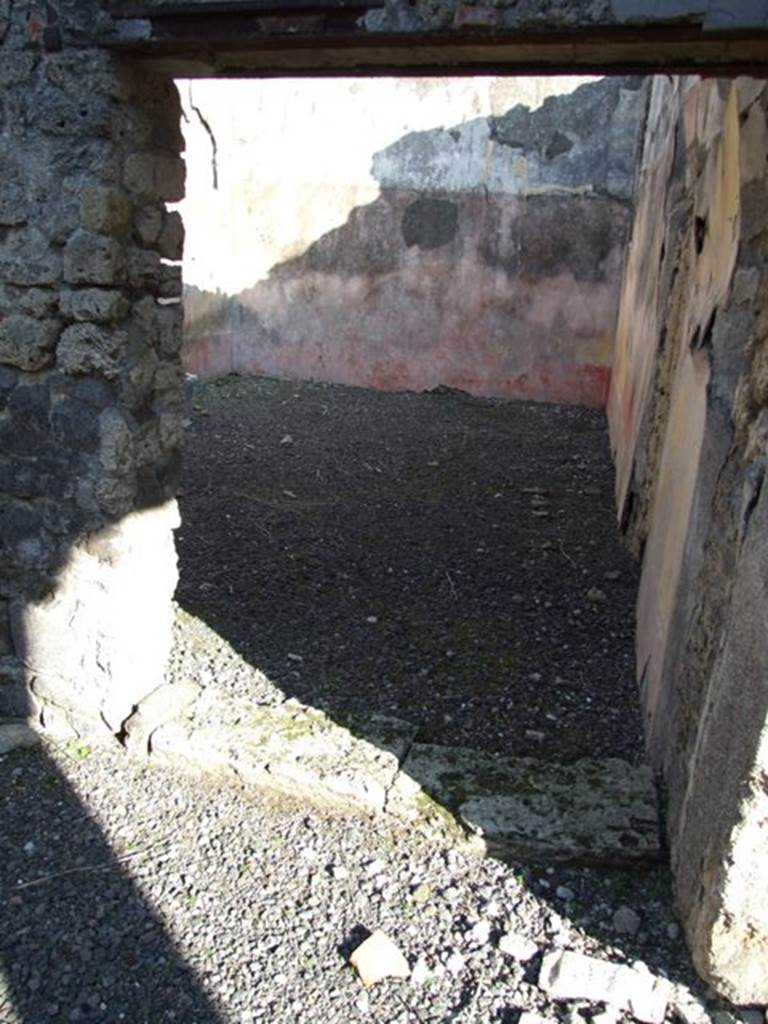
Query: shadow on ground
pixel 78 940
pixel 447 560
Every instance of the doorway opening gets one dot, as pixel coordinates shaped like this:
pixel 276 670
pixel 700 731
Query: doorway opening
pixel 398 490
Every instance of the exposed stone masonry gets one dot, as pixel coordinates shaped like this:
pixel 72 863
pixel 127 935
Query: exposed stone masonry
pixel 90 384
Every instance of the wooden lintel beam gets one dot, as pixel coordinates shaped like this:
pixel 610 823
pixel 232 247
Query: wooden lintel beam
pixel 327 41
pixel 159 13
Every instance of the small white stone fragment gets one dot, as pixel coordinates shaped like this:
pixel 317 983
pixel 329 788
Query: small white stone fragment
pixel 339 872
pixel 610 1015
pixel 518 946
pixel 455 963
pixel 527 1017
pixel 564 893
pixel 363 1003
pixel 378 957
pixel 687 1006
pixel 286 439
pixel 627 921
pixel 568 975
pixel 294 657
pixel 375 867
pixel 479 933
pixel 420 972
pixel 372 619
pixel 29 847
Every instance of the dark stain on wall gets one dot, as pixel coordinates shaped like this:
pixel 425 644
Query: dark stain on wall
pixel 430 223
pixel 556 234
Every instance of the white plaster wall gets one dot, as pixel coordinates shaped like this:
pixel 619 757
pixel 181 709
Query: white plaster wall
pixel 295 156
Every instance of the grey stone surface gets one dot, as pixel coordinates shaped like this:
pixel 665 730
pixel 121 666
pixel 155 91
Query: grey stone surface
pixel 27 343
pixel 289 748
pixel 568 975
pixel 598 811
pixel 16 734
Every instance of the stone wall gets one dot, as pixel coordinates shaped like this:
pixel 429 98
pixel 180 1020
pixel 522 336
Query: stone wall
pixel 485 254
pixel 90 381
pixel 689 420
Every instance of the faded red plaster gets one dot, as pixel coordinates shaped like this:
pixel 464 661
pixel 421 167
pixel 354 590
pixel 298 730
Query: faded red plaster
pixel 497 311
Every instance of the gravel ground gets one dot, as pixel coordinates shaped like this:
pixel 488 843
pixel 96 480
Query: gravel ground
pixel 131 893
pixel 425 555
pixel 449 560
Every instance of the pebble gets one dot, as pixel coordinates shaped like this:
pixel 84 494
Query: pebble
pixel 420 972
pixel 563 892
pixel 527 1017
pixel 454 963
pixel 569 975
pixel 421 893
pixel 518 946
pixel 610 1015
pixel 378 957
pixel 673 930
pixel 479 933
pixel 627 921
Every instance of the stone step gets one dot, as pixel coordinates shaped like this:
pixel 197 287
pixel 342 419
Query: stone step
pixel 592 811
pixel 289 748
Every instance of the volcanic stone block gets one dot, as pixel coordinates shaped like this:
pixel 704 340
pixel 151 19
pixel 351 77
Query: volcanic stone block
pixel 93 259
pixel 88 348
pixel 155 176
pixel 106 210
pixel 27 343
pixel 99 305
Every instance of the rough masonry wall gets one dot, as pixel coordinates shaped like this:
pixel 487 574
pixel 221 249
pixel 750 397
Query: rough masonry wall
pixel 90 381
pixel 483 254
pixel 689 420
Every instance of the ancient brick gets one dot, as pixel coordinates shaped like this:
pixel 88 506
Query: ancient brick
pixel 148 222
pixel 90 348
pixel 170 244
pixel 17 68
pixel 93 259
pixel 6 641
pixel 15 701
pixel 27 343
pixel 155 176
pixel 35 302
pixel 58 114
pixel 144 269
pixel 22 535
pixel 14 208
pixel 106 210
pixel 28 405
pixel 30 270
pixel 98 305
pixel 169 329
